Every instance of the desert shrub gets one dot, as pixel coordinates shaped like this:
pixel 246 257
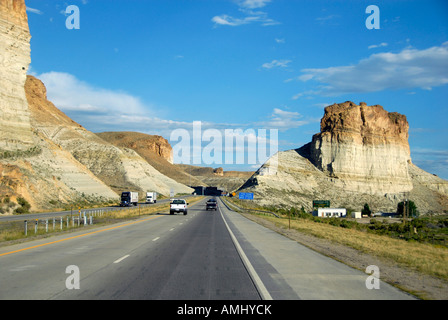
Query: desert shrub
pixel 24 206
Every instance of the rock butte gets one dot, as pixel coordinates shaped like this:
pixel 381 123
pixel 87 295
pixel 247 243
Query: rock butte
pixel 361 155
pixel 15 133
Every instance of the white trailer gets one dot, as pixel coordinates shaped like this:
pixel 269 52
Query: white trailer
pixel 151 197
pixel 331 212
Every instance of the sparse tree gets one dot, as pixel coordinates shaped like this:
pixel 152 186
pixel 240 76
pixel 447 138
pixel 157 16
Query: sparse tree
pixel 366 210
pixel 411 207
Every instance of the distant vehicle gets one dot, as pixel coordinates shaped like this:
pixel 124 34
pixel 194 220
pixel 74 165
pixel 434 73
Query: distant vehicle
pixel 129 199
pixel 179 205
pixel 151 197
pixel 211 204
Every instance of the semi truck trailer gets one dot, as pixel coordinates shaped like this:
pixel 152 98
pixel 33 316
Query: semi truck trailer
pixel 129 199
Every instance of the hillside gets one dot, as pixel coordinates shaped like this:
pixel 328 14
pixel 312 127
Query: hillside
pixel 155 150
pixel 360 156
pixel 120 168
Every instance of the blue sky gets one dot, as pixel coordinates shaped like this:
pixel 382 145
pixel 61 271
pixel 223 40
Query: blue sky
pixel 155 66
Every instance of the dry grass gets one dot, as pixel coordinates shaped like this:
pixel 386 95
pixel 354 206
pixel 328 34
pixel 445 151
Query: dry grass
pixel 425 258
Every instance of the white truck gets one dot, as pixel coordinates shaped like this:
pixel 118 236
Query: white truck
pixel 179 205
pixel 151 197
pixel 129 199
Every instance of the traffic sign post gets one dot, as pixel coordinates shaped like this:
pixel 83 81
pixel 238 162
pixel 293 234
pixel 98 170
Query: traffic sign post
pixel 246 196
pixel 321 203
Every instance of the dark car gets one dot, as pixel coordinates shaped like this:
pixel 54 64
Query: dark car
pixel 211 205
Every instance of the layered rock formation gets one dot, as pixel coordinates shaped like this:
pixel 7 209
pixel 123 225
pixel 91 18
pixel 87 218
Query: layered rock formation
pixel 365 147
pixel 360 156
pixel 145 145
pixel 155 150
pixel 47 157
pixel 120 168
pixel 15 133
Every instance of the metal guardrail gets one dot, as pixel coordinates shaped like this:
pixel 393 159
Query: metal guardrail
pixel 228 204
pixel 83 218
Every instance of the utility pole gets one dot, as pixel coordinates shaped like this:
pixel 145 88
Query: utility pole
pixel 404 211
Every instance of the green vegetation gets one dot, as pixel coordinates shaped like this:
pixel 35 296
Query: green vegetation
pixel 409 208
pixel 366 210
pixel 31 152
pixel 24 206
pixel 433 230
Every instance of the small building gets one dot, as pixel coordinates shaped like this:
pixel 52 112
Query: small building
pixel 357 215
pixel 331 212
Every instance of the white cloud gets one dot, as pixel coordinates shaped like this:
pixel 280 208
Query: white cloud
pixel 100 109
pixel 251 16
pixel 374 46
pixel 283 120
pixel 32 10
pixel 276 63
pixel 253 4
pixel 410 68
pixel 71 94
pixel 227 20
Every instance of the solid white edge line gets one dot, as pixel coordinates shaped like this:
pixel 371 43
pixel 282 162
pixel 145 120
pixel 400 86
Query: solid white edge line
pixel 121 259
pixel 265 295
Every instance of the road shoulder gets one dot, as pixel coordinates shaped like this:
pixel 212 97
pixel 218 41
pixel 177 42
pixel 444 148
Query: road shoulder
pixel 411 281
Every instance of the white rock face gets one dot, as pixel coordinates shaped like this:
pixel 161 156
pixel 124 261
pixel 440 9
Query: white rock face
pixel 15 133
pixel 365 147
pixel 360 156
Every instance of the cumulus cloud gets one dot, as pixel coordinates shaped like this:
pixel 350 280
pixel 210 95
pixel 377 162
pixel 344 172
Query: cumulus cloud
pixel 283 120
pixel 253 4
pixel 72 94
pixel 276 63
pixel 374 46
pixel 227 20
pixel 410 68
pixel 251 16
pixel 100 109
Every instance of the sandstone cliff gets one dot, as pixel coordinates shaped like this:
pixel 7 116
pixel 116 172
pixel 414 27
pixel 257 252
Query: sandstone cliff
pixel 15 133
pixel 118 167
pixel 360 156
pixel 146 145
pixel 155 150
pixel 364 147
pixel 31 165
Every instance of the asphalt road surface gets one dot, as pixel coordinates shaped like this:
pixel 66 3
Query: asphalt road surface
pixel 205 255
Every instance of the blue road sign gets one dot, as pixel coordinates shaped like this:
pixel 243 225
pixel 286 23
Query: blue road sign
pixel 246 196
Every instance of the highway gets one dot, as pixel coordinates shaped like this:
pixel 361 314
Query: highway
pixel 206 255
